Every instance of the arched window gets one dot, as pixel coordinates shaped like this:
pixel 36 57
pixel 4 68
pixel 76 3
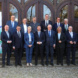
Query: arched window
pixel 19 1
pixel 13 11
pixel 25 0
pixel 46 10
pixel 76 12
pixel 31 13
pixel 64 13
pixel 59 1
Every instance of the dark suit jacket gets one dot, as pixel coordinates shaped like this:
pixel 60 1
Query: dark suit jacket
pixel 34 26
pixel 63 39
pixel 18 42
pixel 22 28
pixel 4 39
pixel 68 39
pixel 50 40
pixel 26 39
pixel 55 26
pixel 41 38
pixel 43 27
pixel 64 30
pixel 12 30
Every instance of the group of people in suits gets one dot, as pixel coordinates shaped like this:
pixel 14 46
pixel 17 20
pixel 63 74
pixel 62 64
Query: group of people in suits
pixel 43 37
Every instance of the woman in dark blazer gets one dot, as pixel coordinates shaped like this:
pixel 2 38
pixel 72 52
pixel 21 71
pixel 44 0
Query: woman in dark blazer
pixel 29 42
pixel 60 45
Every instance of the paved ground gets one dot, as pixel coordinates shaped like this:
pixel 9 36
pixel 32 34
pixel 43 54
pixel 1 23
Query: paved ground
pixel 39 72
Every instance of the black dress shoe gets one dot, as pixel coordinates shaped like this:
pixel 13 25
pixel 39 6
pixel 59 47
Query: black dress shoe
pixel 52 64
pixel 3 66
pixel 15 65
pixel 68 64
pixel 20 64
pixel 9 64
pixel 57 63
pixel 42 64
pixel 62 64
pixel 46 64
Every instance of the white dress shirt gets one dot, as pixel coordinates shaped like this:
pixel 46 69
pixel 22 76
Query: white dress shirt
pixel 7 33
pixel 25 28
pixel 29 37
pixel 58 24
pixel 71 34
pixel 59 34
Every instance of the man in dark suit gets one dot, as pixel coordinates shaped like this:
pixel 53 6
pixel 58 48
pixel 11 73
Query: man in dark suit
pixel 24 26
pixel 50 43
pixel 6 45
pixel 39 41
pixel 45 23
pixel 12 24
pixel 34 24
pixel 71 45
pixel 57 24
pixel 65 26
pixel 18 45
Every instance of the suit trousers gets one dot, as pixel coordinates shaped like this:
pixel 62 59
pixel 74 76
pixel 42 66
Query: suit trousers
pixel 49 49
pixel 29 51
pixel 5 51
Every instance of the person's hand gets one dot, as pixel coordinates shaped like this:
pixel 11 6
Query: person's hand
pixel 13 47
pixel 54 46
pixel 74 42
pixel 60 41
pixel 71 42
pixel 30 45
pixel 9 42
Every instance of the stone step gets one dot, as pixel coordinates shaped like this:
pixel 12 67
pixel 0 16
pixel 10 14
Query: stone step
pixel 39 61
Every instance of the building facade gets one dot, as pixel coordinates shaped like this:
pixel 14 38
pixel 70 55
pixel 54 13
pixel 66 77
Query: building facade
pixel 29 8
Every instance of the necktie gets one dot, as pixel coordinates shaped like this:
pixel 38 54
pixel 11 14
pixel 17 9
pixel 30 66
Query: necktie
pixel 7 34
pixel 39 34
pixel 19 34
pixel 49 33
pixel 46 24
pixel 66 27
pixel 12 24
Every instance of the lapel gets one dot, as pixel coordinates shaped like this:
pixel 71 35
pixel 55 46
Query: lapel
pixel 69 34
pixel 6 34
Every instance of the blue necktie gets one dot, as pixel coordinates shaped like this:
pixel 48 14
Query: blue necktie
pixel 12 24
pixel 49 33
pixel 39 34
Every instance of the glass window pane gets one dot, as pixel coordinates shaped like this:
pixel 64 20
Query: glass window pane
pixel 76 12
pixel 59 1
pixel 25 0
pixel 19 1
pixel 64 13
pixel 0 26
pixel 51 1
pixel 46 10
pixel 14 11
pixel 31 13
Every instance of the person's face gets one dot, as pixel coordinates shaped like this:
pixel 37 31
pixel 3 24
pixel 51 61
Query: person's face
pixel 58 20
pixel 46 17
pixel 6 27
pixel 59 29
pixel 39 28
pixel 18 28
pixel 70 29
pixel 49 27
pixel 34 20
pixel 12 18
pixel 24 21
pixel 29 30
pixel 66 22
